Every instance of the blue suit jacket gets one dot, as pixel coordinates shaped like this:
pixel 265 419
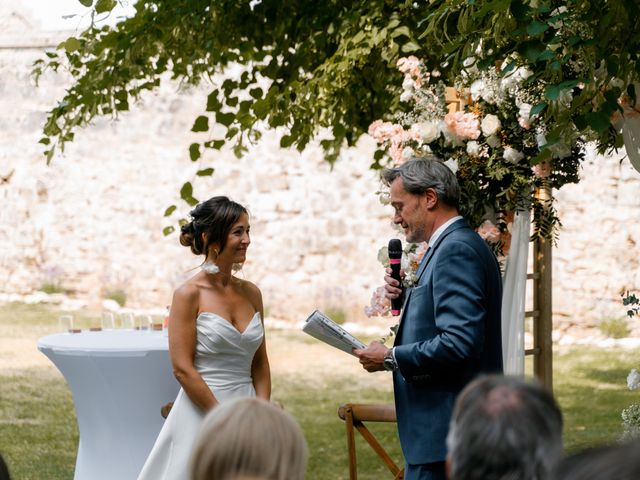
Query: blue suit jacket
pixel 449 332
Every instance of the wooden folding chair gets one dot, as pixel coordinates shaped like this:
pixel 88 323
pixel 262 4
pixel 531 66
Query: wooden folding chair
pixel 354 415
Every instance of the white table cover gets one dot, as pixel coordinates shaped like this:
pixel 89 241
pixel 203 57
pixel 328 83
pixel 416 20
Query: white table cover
pixel 119 380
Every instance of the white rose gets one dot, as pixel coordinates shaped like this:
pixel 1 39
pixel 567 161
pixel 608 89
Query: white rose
pixel 476 89
pixel 473 148
pixel 490 125
pixel 452 163
pixel 512 155
pixel 407 153
pixel 429 131
pixel 493 141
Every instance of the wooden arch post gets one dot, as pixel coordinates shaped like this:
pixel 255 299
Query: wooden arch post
pixel 542 313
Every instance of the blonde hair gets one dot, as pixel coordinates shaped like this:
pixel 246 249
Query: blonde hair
pixel 249 438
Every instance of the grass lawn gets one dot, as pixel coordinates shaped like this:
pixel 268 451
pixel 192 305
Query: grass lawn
pixel 39 436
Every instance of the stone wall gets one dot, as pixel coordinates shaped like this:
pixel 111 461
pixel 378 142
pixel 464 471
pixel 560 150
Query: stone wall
pixel 93 219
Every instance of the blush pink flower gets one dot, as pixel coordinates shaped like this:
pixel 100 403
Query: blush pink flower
pixel 410 66
pixel 383 131
pixel 380 305
pixel 463 126
pixel 489 232
pixel 542 169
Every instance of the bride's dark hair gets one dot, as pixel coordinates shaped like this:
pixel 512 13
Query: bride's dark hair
pixel 215 217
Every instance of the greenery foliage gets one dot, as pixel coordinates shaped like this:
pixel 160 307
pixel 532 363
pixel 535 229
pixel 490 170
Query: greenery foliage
pixel 328 69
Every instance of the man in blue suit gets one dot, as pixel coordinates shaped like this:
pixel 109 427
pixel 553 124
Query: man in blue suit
pixel 450 324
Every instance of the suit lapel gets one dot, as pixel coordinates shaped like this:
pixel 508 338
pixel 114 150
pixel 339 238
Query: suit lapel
pixel 423 265
pixel 432 248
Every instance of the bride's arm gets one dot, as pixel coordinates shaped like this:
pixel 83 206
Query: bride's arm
pixel 182 346
pixel 260 369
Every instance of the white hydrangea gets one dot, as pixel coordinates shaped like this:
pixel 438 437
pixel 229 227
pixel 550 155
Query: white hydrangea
pixel 476 89
pixel 406 96
pixel 512 155
pixel 490 125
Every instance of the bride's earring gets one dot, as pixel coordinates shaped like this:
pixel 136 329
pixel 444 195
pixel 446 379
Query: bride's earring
pixel 209 266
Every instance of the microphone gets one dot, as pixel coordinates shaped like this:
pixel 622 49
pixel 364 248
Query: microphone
pixel 395 258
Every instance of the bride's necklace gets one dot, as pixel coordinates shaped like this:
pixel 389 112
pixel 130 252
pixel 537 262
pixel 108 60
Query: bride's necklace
pixel 210 268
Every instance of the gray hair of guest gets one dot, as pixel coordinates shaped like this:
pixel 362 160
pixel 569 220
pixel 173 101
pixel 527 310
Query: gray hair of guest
pixel 616 461
pixel 421 173
pixel 504 428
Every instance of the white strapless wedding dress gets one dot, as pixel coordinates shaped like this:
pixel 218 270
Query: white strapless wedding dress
pixel 223 358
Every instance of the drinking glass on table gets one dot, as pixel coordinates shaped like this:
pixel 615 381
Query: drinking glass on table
pixel 65 323
pixel 128 320
pixel 143 322
pixel 108 321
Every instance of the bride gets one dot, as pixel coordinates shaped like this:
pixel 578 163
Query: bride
pixel 216 335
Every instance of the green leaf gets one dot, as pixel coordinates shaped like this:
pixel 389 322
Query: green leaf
pixel 552 92
pixel 205 172
pixel 71 44
pixel 536 28
pixel 261 108
pixel 225 119
pixel 409 47
pixel 86 3
pixel 215 144
pixel 256 93
pixel 186 193
pixel 286 141
pixel 105 5
pixel 597 121
pixel 536 109
pixel 213 104
pixel 170 210
pixel 201 124
pixel 194 151
pixel 168 230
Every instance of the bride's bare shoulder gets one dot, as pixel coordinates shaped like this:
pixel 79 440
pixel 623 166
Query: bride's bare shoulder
pixel 252 292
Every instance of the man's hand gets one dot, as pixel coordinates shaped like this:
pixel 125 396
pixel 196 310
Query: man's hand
pixel 371 358
pixel 392 286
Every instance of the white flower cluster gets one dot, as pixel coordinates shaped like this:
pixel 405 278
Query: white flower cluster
pixel 631 414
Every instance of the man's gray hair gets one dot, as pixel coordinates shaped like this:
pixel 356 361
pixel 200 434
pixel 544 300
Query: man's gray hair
pixel 504 428
pixel 422 173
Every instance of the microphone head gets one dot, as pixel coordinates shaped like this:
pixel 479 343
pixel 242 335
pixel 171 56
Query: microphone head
pixel 395 249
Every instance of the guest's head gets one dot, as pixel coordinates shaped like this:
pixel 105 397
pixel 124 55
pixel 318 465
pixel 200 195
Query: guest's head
pixel 4 470
pixel 610 462
pixel 504 428
pixel 424 193
pixel 213 226
pixel 249 438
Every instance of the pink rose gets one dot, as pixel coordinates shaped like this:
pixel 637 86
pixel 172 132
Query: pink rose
pixel 489 232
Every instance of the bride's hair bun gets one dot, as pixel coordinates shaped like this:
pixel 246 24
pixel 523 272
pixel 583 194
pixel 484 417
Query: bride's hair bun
pixel 188 235
pixel 215 217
